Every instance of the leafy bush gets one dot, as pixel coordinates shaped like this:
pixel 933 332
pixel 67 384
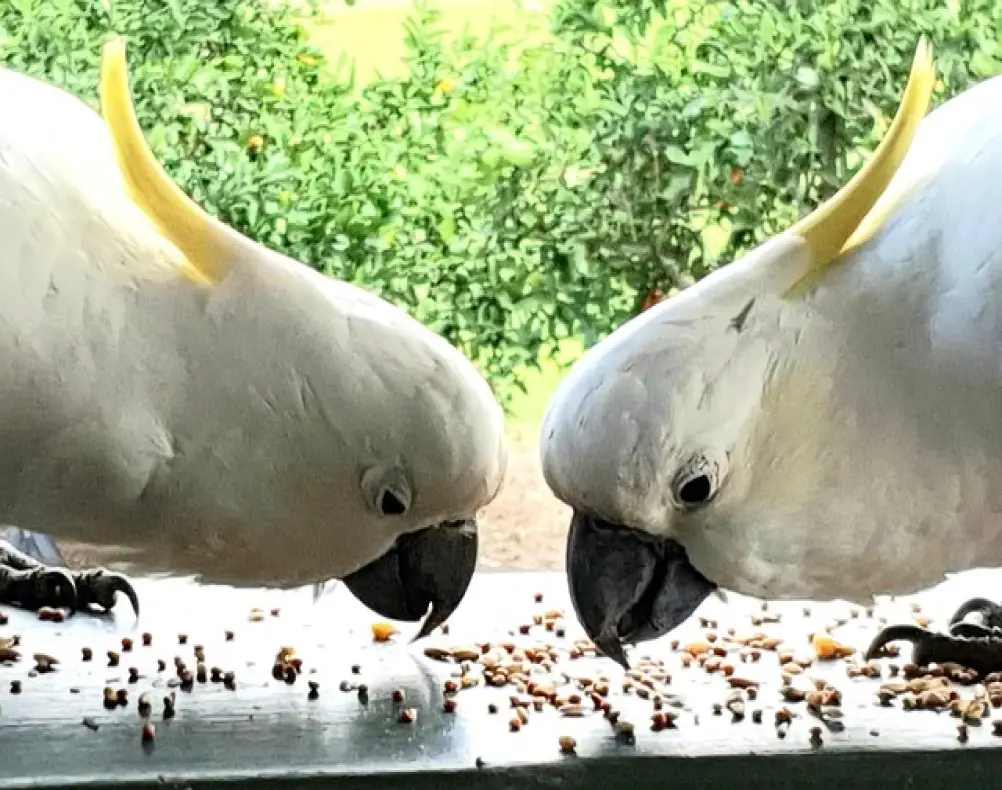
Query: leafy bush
pixel 512 198
pixel 722 122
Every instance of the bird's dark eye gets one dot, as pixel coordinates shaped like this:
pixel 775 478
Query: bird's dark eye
pixel 695 491
pixel 390 504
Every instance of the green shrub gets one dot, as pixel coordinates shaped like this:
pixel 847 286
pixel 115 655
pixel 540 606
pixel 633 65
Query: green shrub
pixel 512 199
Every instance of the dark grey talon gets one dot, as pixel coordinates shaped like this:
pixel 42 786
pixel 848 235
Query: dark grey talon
pixel 37 588
pixel 990 612
pixel 99 587
pixel 974 631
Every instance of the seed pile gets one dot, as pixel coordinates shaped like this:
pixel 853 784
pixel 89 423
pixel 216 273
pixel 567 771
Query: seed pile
pixel 541 677
pixel 183 678
pixel 748 675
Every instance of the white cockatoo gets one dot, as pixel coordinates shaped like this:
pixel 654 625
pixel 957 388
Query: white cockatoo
pixel 211 406
pixel 821 419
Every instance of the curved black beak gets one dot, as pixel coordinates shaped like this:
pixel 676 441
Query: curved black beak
pixel 432 567
pixel 627 587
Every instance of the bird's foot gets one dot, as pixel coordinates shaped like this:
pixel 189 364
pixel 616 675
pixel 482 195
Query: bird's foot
pixel 974 645
pixel 29 584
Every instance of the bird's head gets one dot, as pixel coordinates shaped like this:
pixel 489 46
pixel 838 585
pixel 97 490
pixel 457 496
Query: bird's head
pixel 372 437
pixel 650 437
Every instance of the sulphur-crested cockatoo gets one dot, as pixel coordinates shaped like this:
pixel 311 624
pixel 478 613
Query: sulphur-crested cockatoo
pixel 820 419
pixel 212 407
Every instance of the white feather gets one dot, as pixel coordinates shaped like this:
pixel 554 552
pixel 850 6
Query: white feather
pixel 860 426
pixel 228 431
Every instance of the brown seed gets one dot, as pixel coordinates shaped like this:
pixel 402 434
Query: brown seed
pixel 133 674
pixel 15 687
pixel 144 706
pixel 169 707
pixel 45 663
pixel 962 734
pixel 974 712
pixel 538 597
pixel 407 715
pixel 199 653
pixel 182 639
pixel 816 736
pixel 50 614
pixel 161 665
pixel 466 653
pixel 126 644
pixel 624 729
pixel 449 705
pixel 997 728
pixel 696 648
pixel 756 716
pixel 397 695
pixel 149 732
pixel 86 653
pixel 229 636
pixel 314 692
pixel 112 658
pixel 567 744
pixel 122 697
pixel 275 612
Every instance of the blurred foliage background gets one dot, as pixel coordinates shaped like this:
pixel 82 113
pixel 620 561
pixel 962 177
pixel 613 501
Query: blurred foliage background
pixel 520 186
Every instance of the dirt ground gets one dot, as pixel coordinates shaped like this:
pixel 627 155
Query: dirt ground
pixel 523 529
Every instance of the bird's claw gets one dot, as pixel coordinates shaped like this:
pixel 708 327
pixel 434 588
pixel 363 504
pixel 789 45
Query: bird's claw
pixel 29 584
pixel 99 587
pixel 35 588
pixel 976 646
pixel 990 614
